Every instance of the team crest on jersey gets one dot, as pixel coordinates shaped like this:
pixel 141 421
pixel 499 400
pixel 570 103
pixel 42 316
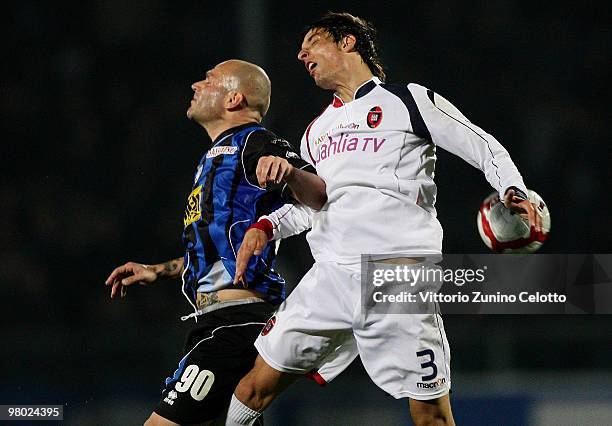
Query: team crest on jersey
pixel 193 211
pixel 221 150
pixel 374 117
pixel 269 325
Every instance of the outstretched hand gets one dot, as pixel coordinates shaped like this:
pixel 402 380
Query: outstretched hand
pixel 253 243
pixel 128 274
pixel 525 208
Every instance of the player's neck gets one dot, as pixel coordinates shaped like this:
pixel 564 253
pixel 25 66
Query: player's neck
pixel 351 81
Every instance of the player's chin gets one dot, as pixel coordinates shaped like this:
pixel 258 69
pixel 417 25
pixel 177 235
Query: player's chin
pixel 323 83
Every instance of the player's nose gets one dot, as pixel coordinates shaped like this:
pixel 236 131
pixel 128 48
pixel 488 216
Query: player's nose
pixel 302 55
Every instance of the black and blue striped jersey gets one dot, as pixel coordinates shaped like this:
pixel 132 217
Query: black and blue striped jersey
pixel 225 200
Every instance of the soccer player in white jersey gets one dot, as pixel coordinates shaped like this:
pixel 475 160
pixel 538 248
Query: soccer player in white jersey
pixel 375 147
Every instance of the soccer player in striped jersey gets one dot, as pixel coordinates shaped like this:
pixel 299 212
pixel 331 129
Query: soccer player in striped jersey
pixel 375 147
pixel 226 199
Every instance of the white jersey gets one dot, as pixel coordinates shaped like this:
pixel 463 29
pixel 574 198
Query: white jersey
pixel 377 156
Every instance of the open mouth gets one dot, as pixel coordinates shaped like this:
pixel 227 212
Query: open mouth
pixel 310 66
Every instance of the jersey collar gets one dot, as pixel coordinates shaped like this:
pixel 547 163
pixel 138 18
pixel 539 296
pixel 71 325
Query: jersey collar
pixel 361 91
pixel 236 129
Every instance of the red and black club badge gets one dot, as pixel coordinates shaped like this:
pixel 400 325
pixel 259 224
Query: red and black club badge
pixel 268 327
pixel 374 117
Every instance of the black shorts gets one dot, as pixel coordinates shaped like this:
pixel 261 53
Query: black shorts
pixel 218 352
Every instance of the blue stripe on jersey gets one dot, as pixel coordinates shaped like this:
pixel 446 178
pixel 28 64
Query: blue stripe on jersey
pixel 222 205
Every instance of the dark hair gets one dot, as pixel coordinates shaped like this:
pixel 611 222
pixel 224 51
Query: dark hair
pixel 339 25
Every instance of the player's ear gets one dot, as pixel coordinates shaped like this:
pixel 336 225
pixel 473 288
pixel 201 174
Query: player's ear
pixel 348 42
pixel 234 99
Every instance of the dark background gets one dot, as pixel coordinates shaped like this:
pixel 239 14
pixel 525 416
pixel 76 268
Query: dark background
pixel 98 159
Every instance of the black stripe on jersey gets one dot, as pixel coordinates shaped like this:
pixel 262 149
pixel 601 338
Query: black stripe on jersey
pixel 211 255
pixel 430 95
pixel 416 119
pixel 234 189
pixel 266 202
pixel 365 89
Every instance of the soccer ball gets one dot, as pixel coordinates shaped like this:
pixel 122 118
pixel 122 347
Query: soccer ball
pixel 506 232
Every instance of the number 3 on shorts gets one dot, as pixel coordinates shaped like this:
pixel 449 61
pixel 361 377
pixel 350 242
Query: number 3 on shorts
pixel 197 382
pixel 428 364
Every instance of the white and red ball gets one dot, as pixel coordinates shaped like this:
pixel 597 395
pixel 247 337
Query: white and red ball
pixel 505 232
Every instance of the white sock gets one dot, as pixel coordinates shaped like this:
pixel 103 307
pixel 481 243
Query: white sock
pixel 240 414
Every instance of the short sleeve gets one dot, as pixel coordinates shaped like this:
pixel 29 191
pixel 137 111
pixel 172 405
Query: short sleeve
pixel 261 143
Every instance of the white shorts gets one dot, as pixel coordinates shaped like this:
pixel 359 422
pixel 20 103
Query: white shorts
pixel 321 326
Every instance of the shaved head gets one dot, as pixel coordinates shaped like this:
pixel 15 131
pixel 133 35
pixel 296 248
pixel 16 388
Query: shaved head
pixel 234 92
pixel 250 80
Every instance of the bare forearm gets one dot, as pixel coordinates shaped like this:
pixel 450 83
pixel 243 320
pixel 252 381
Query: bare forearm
pixel 307 188
pixel 169 270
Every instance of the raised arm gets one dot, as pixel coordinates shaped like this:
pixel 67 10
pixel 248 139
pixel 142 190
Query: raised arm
pixel 448 128
pixel 138 273
pixel 441 122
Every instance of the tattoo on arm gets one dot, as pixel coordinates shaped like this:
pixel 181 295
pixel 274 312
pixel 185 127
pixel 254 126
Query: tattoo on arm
pixel 170 266
pixel 173 268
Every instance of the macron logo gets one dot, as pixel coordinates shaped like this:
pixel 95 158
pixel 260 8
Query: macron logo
pixel 221 150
